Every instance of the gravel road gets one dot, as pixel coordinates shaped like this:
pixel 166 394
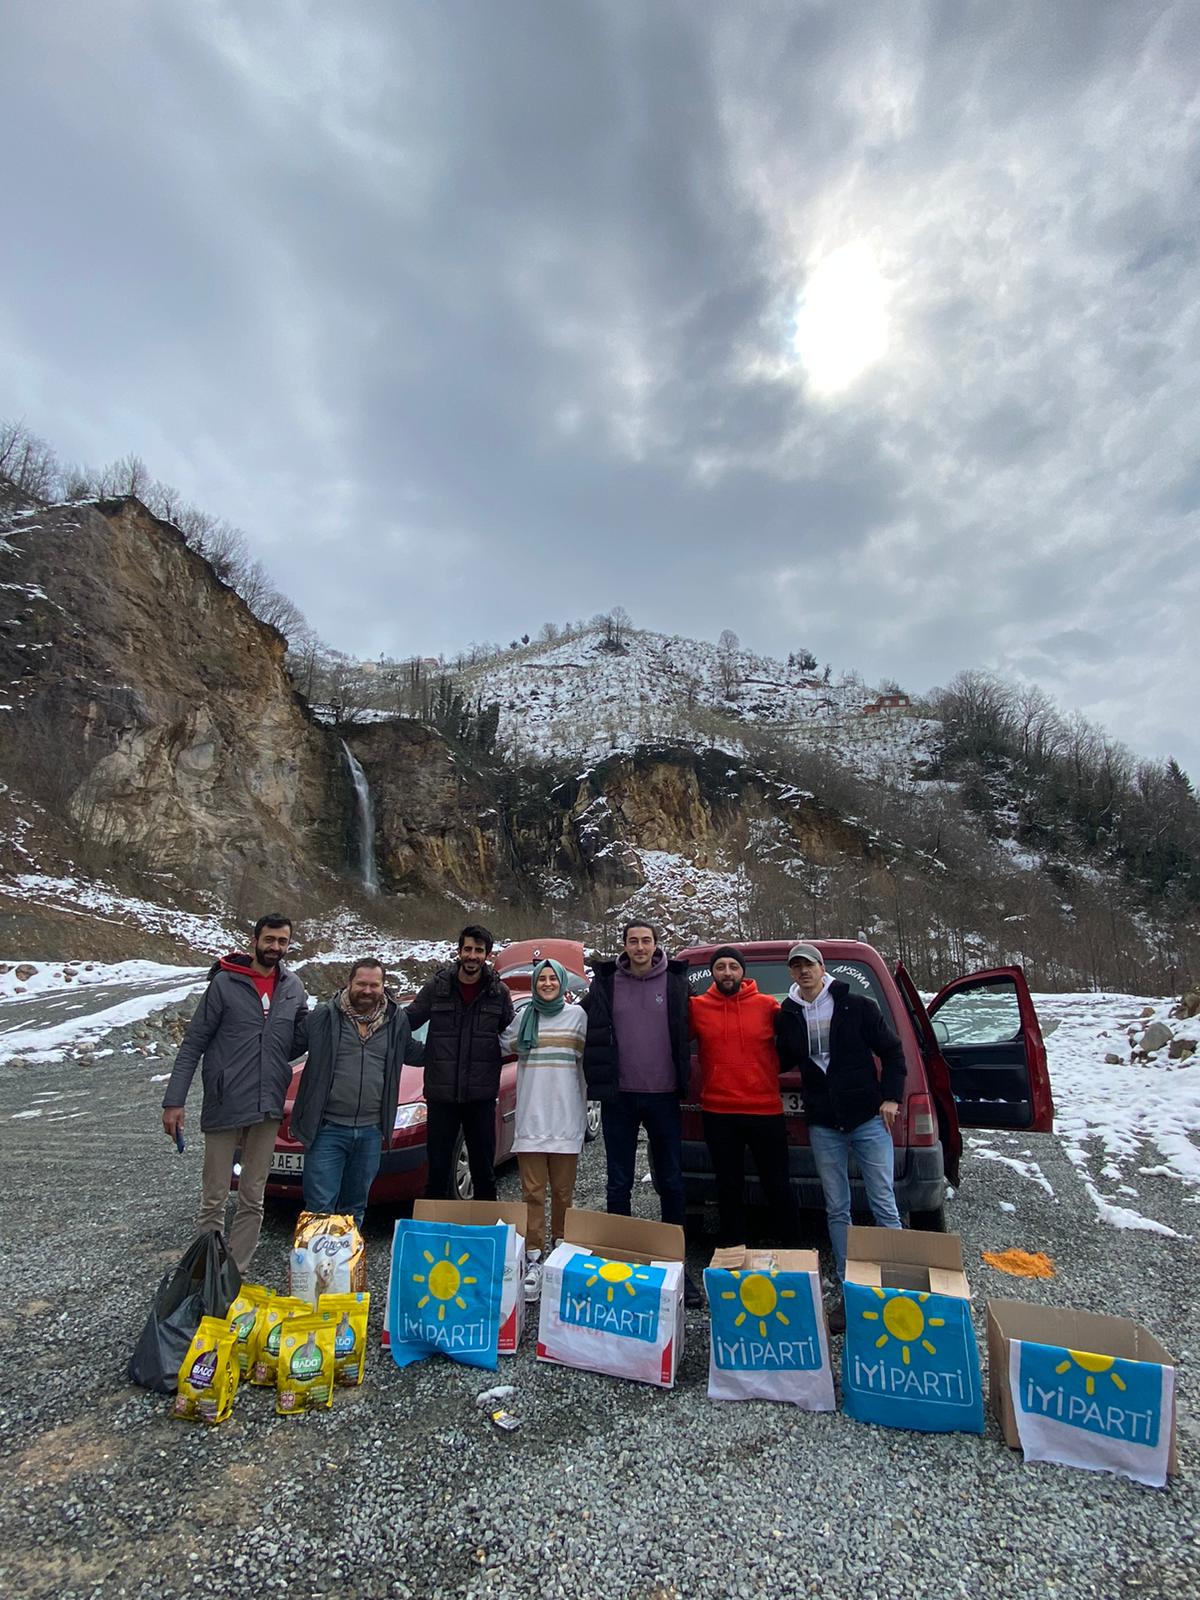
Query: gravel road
pixel 608 1489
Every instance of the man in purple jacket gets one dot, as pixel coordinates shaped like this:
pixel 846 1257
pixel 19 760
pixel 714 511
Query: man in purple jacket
pixel 637 1062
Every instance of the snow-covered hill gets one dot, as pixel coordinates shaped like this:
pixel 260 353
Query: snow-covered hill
pixel 581 697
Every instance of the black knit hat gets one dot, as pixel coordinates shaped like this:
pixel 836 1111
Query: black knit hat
pixel 727 950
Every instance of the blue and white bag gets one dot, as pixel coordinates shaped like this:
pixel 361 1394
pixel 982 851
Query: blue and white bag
pixel 444 1292
pixel 1099 1412
pixel 767 1331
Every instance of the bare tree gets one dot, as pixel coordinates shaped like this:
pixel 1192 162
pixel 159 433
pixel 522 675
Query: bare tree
pixel 728 646
pixel 128 476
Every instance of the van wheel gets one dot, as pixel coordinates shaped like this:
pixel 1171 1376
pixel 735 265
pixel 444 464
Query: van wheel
pixel 460 1167
pixel 592 1127
pixel 928 1221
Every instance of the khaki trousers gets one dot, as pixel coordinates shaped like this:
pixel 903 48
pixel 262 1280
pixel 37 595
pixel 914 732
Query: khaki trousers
pixel 257 1142
pixel 538 1170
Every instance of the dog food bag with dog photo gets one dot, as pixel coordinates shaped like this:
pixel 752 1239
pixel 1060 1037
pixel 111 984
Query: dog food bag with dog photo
pixel 304 1371
pixel 350 1343
pixel 208 1378
pixel 265 1356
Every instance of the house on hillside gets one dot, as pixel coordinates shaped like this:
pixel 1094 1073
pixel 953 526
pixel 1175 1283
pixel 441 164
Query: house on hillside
pixel 885 705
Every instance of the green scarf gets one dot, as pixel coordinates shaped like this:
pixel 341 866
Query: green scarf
pixel 527 1033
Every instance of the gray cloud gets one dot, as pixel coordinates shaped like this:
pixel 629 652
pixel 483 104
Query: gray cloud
pixel 478 316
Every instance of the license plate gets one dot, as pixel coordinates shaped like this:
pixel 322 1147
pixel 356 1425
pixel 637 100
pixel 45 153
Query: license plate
pixel 284 1161
pixel 792 1105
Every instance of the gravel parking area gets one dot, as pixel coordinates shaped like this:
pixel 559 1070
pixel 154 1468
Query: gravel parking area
pixel 608 1488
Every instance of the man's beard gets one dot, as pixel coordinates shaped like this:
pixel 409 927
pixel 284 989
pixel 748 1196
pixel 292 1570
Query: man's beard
pixel 267 958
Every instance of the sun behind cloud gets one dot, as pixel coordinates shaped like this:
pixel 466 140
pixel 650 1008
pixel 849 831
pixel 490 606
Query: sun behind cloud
pixel 842 318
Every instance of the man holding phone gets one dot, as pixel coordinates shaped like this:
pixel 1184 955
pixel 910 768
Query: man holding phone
pixel 250 1024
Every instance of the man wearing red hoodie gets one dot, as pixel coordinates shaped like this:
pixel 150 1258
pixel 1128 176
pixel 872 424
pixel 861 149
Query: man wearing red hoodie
pixel 734 1028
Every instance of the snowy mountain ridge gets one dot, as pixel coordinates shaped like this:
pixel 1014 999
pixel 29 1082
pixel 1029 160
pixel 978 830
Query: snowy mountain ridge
pixel 584 697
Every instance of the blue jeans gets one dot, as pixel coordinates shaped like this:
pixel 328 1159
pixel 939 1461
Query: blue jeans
pixel 621 1119
pixel 340 1168
pixel 871 1146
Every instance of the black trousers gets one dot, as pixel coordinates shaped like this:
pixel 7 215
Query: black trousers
pixel 729 1135
pixel 477 1119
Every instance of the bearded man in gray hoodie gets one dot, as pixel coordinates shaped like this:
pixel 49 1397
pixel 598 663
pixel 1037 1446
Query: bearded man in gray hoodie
pixel 250 1024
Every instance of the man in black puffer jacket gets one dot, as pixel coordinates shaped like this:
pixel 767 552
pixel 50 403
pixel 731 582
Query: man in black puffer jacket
pixel 833 1037
pixel 467 1009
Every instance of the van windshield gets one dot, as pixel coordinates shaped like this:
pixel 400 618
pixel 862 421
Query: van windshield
pixel 773 978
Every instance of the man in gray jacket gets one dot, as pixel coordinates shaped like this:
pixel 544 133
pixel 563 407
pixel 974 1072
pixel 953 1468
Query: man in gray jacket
pixel 345 1107
pixel 251 1023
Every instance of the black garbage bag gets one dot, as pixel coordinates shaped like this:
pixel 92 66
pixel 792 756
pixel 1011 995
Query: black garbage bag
pixel 204 1284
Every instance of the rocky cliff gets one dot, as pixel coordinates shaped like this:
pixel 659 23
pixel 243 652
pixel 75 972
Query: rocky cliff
pixel 153 708
pixel 152 713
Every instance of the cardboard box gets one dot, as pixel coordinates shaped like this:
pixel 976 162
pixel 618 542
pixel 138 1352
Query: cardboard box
pixel 1099 1419
pixel 910 1357
pixel 485 1214
pixel 627 1322
pixel 768 1339
pixel 904 1258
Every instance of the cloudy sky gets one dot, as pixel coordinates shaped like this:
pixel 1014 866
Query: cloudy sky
pixel 870 328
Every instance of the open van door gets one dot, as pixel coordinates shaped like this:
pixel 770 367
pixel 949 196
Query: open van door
pixel 987 1031
pixel 937 1073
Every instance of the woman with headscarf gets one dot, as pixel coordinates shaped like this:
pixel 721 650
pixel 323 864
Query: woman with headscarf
pixel 547 1036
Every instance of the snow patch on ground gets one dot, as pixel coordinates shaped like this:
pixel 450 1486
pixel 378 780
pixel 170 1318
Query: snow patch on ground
pixel 95 900
pixel 60 1039
pixel 52 976
pixel 1027 1169
pixel 1110 1112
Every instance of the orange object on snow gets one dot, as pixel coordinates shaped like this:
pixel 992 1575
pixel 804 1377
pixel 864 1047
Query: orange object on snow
pixel 1020 1263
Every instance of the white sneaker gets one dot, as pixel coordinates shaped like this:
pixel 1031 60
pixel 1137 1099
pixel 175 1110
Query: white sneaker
pixel 533 1277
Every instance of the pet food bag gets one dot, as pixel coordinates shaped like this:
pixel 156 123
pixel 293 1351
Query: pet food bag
pixel 208 1378
pixel 304 1371
pixel 265 1356
pixel 328 1257
pixel 350 1338
pixel 246 1317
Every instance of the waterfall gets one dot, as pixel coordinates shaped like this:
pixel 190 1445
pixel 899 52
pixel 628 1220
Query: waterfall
pixel 366 823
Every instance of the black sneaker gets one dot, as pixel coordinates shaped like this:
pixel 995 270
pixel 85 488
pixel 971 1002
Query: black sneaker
pixel 693 1299
pixel 836 1315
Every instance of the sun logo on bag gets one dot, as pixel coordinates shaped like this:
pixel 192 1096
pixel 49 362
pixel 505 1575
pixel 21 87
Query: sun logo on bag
pixel 614 1275
pixel 1090 1364
pixel 444 1281
pixel 759 1297
pixel 904 1321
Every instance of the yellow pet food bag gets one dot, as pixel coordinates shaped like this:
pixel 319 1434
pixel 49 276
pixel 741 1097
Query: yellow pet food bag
pixel 208 1378
pixel 350 1342
pixel 246 1317
pixel 265 1355
pixel 304 1372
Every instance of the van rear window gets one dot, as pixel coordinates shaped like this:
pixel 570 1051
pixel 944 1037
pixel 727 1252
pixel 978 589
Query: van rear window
pixel 773 978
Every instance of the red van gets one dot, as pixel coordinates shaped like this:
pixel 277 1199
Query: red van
pixel 974 1057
